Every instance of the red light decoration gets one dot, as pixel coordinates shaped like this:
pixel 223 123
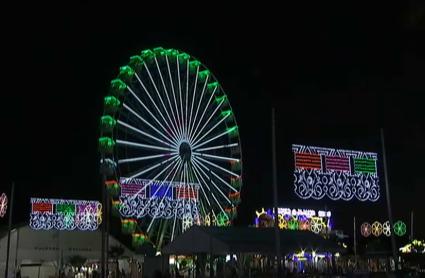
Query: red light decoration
pixel 186 192
pixel 308 161
pixel 365 229
pixel 42 207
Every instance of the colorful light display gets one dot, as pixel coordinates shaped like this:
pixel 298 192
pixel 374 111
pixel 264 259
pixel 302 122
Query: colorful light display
pixel 415 246
pixel 335 173
pixel 296 219
pixel 365 229
pixel 378 229
pixel 399 228
pixel 386 228
pixel 59 214
pixel 3 204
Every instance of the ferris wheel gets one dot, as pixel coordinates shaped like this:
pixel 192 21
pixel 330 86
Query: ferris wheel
pixel 170 147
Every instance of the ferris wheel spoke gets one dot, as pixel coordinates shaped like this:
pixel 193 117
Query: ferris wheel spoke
pixel 159 174
pixel 211 129
pixel 144 146
pixel 197 108
pixel 212 193
pixel 174 97
pixel 202 115
pixel 151 114
pixel 193 100
pixel 217 147
pixel 140 158
pixel 195 136
pixel 217 157
pixel 174 226
pixel 200 159
pixel 201 165
pixel 212 182
pixel 200 185
pixel 160 99
pixel 173 159
pixel 170 129
pixel 180 93
pixel 186 99
pixel 212 139
pixel 166 191
pixel 144 133
pixel 168 98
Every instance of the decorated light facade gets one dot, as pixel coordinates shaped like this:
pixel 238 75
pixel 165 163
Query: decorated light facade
pixel 60 214
pixel 296 219
pixel 157 199
pixel 335 173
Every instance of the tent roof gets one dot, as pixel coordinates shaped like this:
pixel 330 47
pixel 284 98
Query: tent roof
pixel 226 240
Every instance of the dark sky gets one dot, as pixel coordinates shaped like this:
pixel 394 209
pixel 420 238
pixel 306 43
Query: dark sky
pixel 335 75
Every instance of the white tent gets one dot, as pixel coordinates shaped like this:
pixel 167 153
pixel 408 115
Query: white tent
pixel 52 246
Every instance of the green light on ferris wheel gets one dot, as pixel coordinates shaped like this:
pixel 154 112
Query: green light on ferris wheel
pixel 171 52
pixel 193 65
pixel 226 113
pixel 126 73
pixel 118 86
pixel 147 54
pixel 107 122
pixel 111 104
pixel 135 62
pixel 159 51
pixel 212 86
pixel 106 144
pixel 183 57
pixel 203 74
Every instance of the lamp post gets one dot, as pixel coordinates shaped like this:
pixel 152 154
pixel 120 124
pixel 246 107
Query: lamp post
pixel 387 190
pixel 275 202
pixel 12 193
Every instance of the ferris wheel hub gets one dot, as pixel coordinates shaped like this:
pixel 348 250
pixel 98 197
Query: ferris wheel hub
pixel 185 151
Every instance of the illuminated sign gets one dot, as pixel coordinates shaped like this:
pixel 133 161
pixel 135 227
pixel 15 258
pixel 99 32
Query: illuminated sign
pixel 296 219
pixel 335 173
pixel 47 214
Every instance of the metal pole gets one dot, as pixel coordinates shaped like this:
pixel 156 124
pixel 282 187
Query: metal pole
pixel 17 248
pixel 411 225
pixel 275 203
pixel 387 189
pixel 355 243
pixel 102 255
pixel 107 235
pixel 9 229
pixel 211 261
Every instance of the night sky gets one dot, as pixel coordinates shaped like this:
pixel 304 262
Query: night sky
pixel 334 74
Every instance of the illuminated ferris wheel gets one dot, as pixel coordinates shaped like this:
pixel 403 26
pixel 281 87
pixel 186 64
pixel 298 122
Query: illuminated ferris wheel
pixel 170 147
